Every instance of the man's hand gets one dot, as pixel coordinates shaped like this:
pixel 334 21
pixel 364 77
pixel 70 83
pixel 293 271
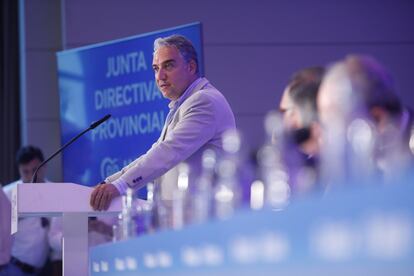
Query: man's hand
pixel 99 226
pixel 102 196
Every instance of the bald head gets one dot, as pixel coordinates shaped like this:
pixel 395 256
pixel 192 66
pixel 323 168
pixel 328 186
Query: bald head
pixel 356 85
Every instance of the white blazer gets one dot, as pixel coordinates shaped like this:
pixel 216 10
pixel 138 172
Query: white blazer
pixel 197 124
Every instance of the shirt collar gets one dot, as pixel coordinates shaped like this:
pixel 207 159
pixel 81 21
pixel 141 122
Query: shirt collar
pixel 20 181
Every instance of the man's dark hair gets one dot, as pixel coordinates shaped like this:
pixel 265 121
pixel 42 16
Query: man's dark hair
pixel 303 90
pixel 27 154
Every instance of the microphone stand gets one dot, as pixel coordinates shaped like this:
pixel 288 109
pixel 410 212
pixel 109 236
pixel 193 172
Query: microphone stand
pixel 92 126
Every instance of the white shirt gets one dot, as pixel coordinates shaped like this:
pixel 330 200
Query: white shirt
pixel 55 236
pixel 30 243
pixel 5 223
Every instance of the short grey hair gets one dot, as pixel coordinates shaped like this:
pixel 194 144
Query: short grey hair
pixel 182 44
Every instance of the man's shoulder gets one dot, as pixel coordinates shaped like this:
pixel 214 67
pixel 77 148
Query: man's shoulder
pixel 12 185
pixel 207 97
pixel 208 94
pixel 9 187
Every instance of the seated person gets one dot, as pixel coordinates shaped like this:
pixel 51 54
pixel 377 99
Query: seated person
pixel 359 87
pixel 300 118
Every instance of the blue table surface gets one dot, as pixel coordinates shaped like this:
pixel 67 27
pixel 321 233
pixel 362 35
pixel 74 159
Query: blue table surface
pixel 366 230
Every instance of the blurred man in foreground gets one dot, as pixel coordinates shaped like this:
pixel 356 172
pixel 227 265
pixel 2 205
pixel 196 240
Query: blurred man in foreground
pixel 298 106
pixel 366 128
pixel 302 130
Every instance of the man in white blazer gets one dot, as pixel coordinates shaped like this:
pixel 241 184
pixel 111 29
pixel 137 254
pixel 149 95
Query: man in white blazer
pixel 199 115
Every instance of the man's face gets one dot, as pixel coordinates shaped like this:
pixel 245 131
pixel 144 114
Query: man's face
pixel 291 115
pixel 27 170
pixel 172 73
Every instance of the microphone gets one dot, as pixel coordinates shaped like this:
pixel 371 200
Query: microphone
pixel 100 121
pixel 92 126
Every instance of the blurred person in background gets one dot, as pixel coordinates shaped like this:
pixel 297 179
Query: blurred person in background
pixel 299 109
pixel 30 246
pixel 301 127
pixel 366 128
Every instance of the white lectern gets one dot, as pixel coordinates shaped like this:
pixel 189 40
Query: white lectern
pixel 71 201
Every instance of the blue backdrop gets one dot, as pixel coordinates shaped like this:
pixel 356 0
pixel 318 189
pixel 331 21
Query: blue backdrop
pixel 115 78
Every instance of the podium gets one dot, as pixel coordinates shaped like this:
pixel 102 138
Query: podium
pixel 71 202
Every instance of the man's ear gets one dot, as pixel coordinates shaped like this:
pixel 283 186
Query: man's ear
pixel 192 66
pixel 381 117
pixel 316 129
